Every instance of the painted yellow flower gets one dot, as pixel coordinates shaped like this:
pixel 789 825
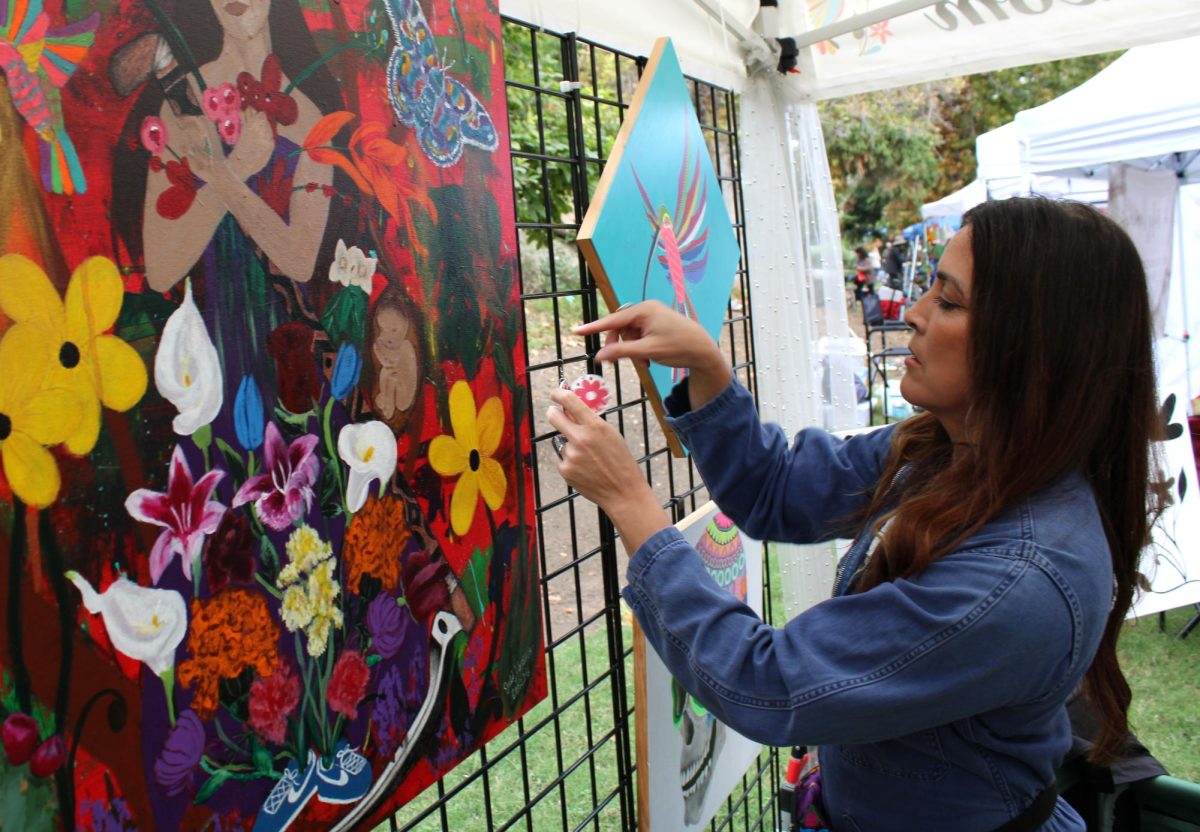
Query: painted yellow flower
pixel 306 549
pixel 100 369
pixel 310 589
pixel 32 417
pixel 468 455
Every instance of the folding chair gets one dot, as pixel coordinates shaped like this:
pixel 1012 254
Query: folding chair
pixel 874 323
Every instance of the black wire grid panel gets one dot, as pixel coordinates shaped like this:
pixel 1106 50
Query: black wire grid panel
pixel 570 762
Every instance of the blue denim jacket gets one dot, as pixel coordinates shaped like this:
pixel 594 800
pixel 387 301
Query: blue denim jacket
pixel 938 701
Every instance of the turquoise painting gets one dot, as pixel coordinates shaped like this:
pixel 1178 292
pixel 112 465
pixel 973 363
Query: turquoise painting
pixel 658 227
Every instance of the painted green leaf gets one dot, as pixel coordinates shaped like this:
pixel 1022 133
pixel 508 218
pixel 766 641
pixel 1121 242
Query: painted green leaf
pixel 345 316
pixel 211 785
pixel 474 580
pixel 264 762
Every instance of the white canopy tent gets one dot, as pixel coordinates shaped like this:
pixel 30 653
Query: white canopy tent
pixel 957 203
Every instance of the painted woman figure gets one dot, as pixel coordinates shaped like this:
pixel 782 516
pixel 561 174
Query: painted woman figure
pixel 234 209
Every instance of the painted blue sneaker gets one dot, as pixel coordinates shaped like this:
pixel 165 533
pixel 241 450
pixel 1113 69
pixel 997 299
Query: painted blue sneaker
pixel 346 779
pixel 289 797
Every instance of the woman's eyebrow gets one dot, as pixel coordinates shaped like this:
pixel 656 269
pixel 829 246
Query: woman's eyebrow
pixel 951 279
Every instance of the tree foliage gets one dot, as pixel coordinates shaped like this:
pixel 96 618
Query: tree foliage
pixel 892 150
pixel 882 150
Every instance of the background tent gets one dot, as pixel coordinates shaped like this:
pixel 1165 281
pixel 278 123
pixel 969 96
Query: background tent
pixel 1130 113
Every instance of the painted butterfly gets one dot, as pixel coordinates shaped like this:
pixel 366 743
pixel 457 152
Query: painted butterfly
pixel 445 114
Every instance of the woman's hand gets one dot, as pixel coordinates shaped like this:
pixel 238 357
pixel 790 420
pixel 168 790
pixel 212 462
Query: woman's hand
pixel 254 147
pixel 195 138
pixel 649 331
pixel 597 464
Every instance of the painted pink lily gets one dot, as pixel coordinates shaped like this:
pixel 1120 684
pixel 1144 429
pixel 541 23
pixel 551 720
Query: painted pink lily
pixel 184 511
pixel 283 491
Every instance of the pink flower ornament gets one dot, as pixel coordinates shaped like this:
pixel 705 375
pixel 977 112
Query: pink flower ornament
pixel 593 391
pixel 154 134
pixel 284 490
pixel 223 106
pixel 185 512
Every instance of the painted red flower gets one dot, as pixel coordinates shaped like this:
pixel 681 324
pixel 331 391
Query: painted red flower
pixel 348 684
pixel 424 581
pixel 230 557
pixel 266 96
pixel 593 391
pixel 296 371
pixel 272 701
pixel 175 201
pixel 185 511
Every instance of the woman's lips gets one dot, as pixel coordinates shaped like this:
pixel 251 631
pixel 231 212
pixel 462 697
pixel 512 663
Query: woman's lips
pixel 236 9
pixel 912 361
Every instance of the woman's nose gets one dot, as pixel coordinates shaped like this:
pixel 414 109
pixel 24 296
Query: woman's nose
pixel 915 314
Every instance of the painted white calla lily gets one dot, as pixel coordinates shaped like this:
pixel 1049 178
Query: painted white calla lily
pixel 187 371
pixel 370 451
pixel 143 624
pixel 352 267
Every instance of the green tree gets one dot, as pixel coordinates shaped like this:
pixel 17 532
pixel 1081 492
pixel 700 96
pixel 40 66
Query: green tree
pixel 892 150
pixel 883 156
pixel 988 100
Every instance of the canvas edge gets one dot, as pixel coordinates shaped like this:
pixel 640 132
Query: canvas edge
pixel 596 205
pixel 641 722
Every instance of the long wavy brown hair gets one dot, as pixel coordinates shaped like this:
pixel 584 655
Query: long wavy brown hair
pixel 1060 351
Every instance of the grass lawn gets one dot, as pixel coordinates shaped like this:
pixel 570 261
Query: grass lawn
pixel 1164 673
pixel 586 752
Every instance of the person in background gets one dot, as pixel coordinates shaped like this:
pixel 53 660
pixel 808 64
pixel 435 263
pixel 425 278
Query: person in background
pixel 996 535
pixel 893 262
pixel 873 255
pixel 864 273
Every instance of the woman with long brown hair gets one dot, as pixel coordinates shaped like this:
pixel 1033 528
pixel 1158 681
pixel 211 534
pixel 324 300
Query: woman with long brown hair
pixel 997 534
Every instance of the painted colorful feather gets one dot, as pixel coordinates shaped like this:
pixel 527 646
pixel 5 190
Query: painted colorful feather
pixel 37 61
pixel 446 115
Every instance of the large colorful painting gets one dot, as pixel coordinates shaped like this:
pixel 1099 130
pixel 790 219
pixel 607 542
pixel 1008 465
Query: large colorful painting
pixel 688 761
pixel 266 504
pixel 657 227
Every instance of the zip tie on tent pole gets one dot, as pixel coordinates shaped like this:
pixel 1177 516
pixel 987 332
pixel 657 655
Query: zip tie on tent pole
pixel 569 86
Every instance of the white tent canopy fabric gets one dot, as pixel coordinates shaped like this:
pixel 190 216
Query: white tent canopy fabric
pixel 1143 108
pixel 957 203
pixel 937 40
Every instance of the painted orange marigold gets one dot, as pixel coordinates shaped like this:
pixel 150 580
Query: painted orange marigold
pixel 229 632
pixel 375 542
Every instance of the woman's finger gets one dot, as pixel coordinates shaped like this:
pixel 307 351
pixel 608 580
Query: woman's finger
pixel 579 412
pixel 620 319
pixel 560 421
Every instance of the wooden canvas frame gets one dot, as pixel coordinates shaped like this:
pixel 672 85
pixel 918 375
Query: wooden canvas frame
pixel 714 246
pixel 648 705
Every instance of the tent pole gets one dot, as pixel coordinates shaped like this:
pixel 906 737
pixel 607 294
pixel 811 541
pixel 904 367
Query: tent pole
pixel 860 21
pixel 1187 346
pixel 743 33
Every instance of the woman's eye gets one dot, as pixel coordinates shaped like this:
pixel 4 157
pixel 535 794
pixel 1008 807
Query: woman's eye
pixel 943 303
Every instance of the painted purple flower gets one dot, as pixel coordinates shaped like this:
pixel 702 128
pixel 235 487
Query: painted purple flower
pixel 184 511
pixel 284 490
pixel 396 702
pixel 389 624
pixel 180 754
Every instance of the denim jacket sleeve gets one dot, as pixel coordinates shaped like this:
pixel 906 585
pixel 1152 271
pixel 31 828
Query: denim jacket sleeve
pixel 802 494
pixel 969 635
